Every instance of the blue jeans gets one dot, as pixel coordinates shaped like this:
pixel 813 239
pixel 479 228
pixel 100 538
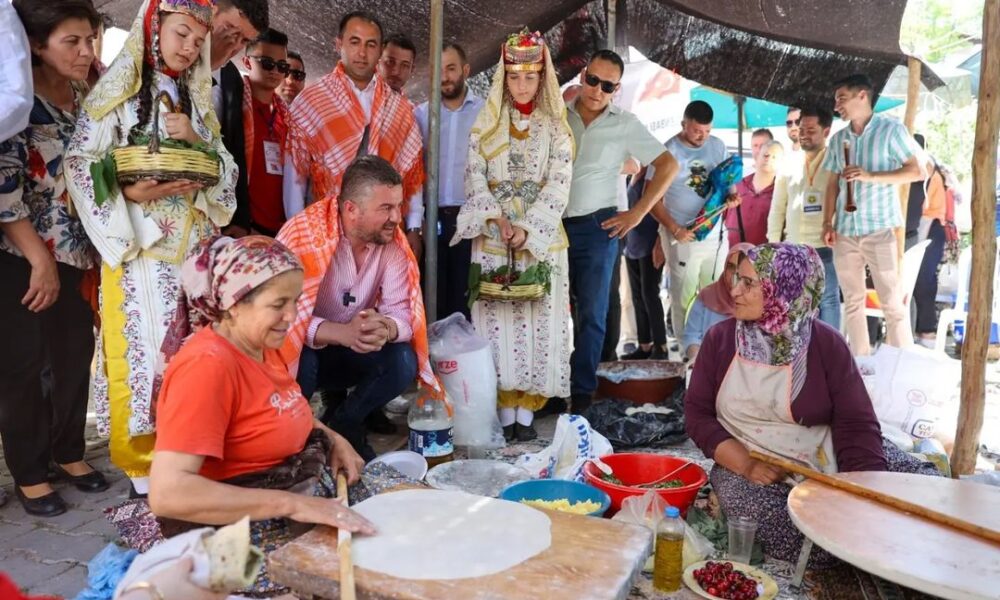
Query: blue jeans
pixel 377 378
pixel 829 306
pixel 591 259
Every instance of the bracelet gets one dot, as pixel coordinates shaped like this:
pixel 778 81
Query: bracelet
pixel 154 592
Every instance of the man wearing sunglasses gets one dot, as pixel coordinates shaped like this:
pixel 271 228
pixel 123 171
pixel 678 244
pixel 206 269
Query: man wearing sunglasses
pixel 605 137
pixel 295 81
pixel 265 128
pixel 235 25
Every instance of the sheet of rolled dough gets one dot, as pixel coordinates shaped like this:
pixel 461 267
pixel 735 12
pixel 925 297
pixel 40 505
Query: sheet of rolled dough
pixel 436 534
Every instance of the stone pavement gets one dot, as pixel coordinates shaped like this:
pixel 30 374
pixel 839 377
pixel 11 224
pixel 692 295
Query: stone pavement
pixel 49 555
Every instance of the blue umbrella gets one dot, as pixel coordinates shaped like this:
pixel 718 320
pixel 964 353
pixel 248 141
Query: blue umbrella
pixel 757 113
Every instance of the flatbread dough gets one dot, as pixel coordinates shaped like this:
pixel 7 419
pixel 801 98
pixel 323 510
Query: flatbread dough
pixel 435 534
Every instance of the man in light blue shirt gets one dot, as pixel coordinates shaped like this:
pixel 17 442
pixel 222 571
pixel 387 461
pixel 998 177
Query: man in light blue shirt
pixel 692 264
pixel 883 155
pixel 459 108
pixel 605 137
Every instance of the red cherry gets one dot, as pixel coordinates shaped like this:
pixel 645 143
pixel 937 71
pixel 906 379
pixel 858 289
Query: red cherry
pixel 712 591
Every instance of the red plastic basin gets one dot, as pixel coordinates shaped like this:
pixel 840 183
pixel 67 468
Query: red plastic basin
pixel 632 467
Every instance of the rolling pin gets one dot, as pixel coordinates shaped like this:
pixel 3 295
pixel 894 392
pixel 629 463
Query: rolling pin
pixel 870 494
pixel 347 588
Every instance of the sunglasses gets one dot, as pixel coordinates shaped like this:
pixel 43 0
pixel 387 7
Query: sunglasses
pixel 296 74
pixel 269 64
pixel 790 122
pixel 607 87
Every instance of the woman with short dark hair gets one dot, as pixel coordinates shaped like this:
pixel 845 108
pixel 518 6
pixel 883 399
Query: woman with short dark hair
pixel 45 253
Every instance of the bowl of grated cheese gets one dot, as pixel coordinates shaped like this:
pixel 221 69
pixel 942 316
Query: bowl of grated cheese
pixel 559 494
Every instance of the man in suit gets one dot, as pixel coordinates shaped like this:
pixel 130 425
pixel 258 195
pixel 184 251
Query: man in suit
pixel 237 23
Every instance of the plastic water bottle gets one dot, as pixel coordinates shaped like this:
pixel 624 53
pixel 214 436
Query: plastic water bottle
pixel 431 430
pixel 668 562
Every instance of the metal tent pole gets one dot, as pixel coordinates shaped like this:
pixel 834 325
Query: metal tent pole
pixel 433 163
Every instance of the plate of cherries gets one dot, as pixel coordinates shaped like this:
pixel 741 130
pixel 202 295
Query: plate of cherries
pixel 727 580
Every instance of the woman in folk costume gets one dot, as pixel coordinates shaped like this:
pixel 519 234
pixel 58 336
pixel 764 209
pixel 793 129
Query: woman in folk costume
pixel 517 184
pixel 144 231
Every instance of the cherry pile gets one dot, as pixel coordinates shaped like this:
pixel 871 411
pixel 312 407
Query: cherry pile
pixel 720 580
pixel 501 279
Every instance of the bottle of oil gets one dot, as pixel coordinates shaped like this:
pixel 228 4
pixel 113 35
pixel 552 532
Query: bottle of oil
pixel 668 562
pixel 431 425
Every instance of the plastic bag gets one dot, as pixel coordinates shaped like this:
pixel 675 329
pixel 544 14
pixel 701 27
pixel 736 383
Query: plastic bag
pixel 464 362
pixel 628 425
pixel 909 387
pixel 647 510
pixel 573 445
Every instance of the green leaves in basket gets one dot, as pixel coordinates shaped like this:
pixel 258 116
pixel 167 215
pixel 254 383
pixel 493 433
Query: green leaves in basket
pixel 105 176
pixel 538 273
pixel 475 272
pixel 142 139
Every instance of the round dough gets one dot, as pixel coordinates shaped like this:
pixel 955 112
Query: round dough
pixel 435 534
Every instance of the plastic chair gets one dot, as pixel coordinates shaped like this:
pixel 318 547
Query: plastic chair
pixel 911 269
pixel 958 314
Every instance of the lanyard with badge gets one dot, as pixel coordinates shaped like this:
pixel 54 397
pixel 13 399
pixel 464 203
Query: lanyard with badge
pixel 272 149
pixel 812 201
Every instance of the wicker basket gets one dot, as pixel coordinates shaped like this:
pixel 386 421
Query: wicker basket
pixel 510 292
pixel 161 163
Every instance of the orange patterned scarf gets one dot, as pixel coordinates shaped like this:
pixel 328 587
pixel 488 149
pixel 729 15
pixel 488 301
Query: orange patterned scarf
pixel 327 126
pixel 281 121
pixel 313 235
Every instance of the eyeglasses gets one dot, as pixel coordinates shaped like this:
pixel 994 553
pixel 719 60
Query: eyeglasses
pixel 790 122
pixel 748 284
pixel 269 64
pixel 296 74
pixel 606 86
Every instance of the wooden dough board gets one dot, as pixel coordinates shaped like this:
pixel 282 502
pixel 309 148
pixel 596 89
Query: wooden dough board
pixel 589 558
pixel 909 550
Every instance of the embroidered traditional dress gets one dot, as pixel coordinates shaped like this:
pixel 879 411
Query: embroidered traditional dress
pixel 142 245
pixel 521 168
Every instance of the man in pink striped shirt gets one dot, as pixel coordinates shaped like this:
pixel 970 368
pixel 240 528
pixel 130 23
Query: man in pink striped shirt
pixel 360 332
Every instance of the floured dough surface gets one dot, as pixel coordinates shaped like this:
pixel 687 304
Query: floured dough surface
pixel 435 534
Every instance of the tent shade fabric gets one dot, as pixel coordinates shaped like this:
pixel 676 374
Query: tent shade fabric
pixel 778 50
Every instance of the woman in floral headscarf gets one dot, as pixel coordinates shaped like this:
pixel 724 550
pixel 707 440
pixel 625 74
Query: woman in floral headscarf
pixel 517 184
pixel 143 231
pixel 777 380
pixel 235 436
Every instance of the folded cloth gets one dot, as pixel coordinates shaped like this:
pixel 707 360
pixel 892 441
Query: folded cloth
pixel 223 560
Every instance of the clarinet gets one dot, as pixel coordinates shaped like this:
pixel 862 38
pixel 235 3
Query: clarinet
pixel 850 206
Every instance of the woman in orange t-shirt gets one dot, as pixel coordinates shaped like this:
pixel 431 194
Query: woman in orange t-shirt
pixel 235 436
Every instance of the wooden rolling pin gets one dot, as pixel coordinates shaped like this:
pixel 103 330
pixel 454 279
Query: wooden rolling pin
pixel 347 588
pixel 892 501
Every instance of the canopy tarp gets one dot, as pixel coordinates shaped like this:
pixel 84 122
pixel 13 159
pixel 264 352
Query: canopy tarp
pixel 776 50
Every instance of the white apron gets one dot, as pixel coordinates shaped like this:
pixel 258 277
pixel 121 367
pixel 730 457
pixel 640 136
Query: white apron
pixel 754 404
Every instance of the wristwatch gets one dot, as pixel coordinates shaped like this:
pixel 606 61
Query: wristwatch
pixel 417 230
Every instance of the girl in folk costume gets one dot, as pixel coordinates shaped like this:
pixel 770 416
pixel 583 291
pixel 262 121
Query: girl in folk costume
pixel 143 231
pixel 517 184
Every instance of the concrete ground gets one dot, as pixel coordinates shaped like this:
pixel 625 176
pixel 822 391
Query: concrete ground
pixel 49 556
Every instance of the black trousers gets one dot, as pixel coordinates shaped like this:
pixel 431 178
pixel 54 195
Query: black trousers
pixel 35 426
pixel 453 267
pixel 925 290
pixel 644 280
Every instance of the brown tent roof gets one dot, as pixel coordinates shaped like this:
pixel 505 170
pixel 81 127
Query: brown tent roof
pixel 778 50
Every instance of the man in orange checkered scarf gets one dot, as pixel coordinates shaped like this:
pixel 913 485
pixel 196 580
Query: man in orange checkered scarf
pixel 360 321
pixel 349 113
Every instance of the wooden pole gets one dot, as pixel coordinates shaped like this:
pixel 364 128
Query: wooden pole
pixel 348 591
pixel 912 507
pixel 984 251
pixel 909 120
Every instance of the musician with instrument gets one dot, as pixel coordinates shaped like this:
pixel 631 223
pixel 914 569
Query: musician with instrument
pixel 868 160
